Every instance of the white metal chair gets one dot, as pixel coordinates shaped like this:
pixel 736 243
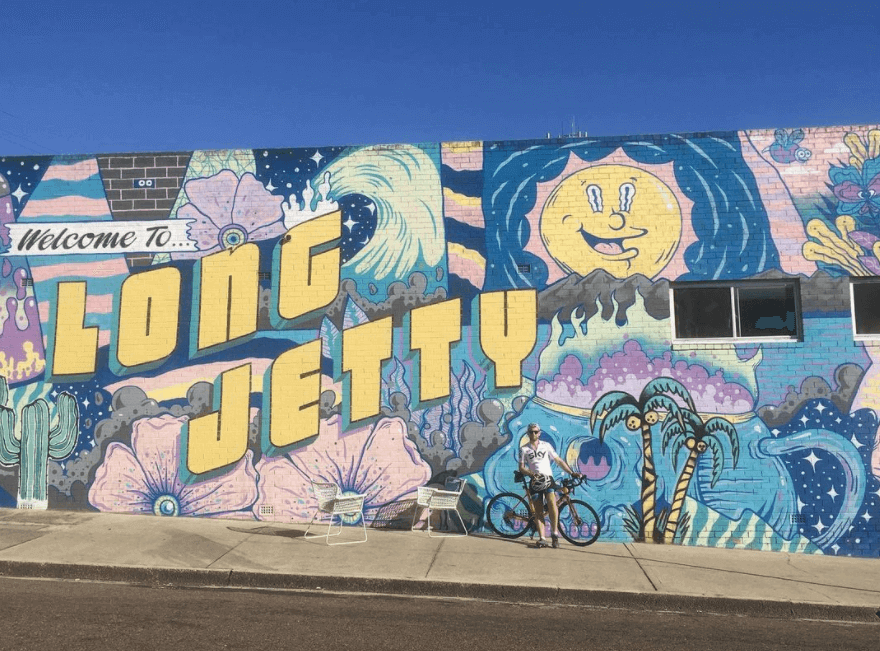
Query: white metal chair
pixel 332 503
pixel 434 499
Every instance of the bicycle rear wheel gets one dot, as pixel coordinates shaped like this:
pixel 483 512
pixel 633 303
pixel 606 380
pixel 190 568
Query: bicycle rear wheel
pixel 579 523
pixel 508 515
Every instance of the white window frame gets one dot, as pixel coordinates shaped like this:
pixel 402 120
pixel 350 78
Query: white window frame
pixel 736 338
pixel 852 307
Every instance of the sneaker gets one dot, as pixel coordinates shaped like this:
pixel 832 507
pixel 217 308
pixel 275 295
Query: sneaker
pixel 555 540
pixel 541 544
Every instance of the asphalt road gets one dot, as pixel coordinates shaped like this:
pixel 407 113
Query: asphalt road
pixel 84 616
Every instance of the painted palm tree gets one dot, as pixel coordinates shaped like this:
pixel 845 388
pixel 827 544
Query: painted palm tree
pixel 639 414
pixel 696 436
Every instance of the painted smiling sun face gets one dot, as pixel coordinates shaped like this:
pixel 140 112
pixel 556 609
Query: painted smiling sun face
pixel 612 217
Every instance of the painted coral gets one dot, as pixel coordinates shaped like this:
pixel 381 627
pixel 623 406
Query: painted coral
pixel 227 211
pixel 378 461
pixel 144 478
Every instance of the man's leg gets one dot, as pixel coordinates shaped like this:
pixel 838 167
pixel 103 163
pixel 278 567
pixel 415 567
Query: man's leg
pixel 538 505
pixel 554 517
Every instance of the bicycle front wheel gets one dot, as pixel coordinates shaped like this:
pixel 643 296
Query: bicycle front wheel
pixel 508 515
pixel 579 523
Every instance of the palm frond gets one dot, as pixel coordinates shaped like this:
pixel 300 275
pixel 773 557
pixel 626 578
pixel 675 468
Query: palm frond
pixel 667 385
pixel 716 424
pixel 676 445
pixel 617 415
pixel 670 429
pixel 717 457
pixel 665 403
pixel 608 402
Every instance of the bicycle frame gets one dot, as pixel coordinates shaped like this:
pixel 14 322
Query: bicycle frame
pixel 562 493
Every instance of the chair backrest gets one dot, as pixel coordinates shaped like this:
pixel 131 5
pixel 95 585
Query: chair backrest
pixel 325 492
pixel 454 484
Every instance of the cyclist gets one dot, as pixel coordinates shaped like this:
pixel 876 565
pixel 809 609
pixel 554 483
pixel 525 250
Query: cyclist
pixel 534 461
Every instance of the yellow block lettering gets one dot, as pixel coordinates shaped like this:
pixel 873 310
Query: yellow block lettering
pixel 228 295
pixel 307 269
pixel 294 396
pixel 74 347
pixel 221 437
pixel 364 348
pixel 433 329
pixel 508 332
pixel 148 312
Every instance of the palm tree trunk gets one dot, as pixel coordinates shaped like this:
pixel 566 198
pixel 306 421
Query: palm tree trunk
pixel 649 484
pixel 681 488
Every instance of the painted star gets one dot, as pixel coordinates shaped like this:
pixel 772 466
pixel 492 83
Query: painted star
pixel 804 420
pixel 812 458
pixel 317 157
pixel 800 505
pixel 366 241
pixel 19 194
pixel 270 187
pixel 819 526
pixel 856 443
pixel 833 493
pixel 835 547
pixel 86 403
pixel 372 208
pixel 774 432
pixel 349 223
pixel 866 516
pixel 820 407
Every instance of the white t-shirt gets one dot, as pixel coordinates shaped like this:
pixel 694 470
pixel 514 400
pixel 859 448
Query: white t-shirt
pixel 538 461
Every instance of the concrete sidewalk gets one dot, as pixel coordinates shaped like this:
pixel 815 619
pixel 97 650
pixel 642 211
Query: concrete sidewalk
pixel 249 554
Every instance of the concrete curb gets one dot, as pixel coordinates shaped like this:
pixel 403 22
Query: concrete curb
pixel 234 579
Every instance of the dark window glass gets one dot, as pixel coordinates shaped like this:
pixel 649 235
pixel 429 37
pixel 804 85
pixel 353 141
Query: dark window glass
pixel 766 311
pixel 702 312
pixel 866 307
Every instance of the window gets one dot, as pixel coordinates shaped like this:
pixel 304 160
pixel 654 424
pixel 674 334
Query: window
pixel 740 310
pixel 865 301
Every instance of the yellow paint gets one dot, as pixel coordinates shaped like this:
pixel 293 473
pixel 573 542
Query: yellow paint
pixel 613 217
pixel 364 348
pixel 462 199
pixel 229 294
pixel 309 281
pixel 467 254
pixel 75 347
pixel 508 332
pixel 295 393
pixel 221 437
pixel 433 329
pixel 148 312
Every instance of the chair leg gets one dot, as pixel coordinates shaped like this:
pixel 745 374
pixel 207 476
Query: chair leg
pixel 416 515
pixel 350 542
pixel 450 535
pixel 306 534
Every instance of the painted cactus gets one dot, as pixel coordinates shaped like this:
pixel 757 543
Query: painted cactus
pixel 38 442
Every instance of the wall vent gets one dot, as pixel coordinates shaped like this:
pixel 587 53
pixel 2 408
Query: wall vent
pixel 524 268
pixel 27 282
pixel 267 509
pixel 798 518
pixel 264 275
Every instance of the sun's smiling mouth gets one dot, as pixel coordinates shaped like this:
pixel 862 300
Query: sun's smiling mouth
pixel 608 246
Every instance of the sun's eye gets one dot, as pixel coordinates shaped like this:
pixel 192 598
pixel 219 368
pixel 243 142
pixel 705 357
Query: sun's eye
pixel 627 192
pixel 594 196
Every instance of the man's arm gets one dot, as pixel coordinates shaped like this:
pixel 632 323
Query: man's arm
pixel 559 460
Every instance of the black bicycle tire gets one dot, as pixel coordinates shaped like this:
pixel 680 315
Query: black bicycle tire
pixel 504 533
pixel 583 509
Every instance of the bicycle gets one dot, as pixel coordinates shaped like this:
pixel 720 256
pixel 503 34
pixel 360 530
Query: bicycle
pixel 511 516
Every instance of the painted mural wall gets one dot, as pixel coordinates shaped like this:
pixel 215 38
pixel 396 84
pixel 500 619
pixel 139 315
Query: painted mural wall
pixel 203 333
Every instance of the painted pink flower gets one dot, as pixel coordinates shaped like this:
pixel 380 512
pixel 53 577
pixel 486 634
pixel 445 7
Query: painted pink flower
pixel 145 477
pixel 227 211
pixel 378 461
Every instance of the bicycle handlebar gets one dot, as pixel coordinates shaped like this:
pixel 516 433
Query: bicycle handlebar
pixel 568 482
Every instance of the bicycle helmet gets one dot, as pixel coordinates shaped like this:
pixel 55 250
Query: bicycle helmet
pixel 540 483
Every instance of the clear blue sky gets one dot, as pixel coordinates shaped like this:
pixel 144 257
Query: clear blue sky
pixel 81 76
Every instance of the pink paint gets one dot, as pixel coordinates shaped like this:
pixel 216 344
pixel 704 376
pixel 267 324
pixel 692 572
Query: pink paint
pixel 37 209
pixel 75 172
